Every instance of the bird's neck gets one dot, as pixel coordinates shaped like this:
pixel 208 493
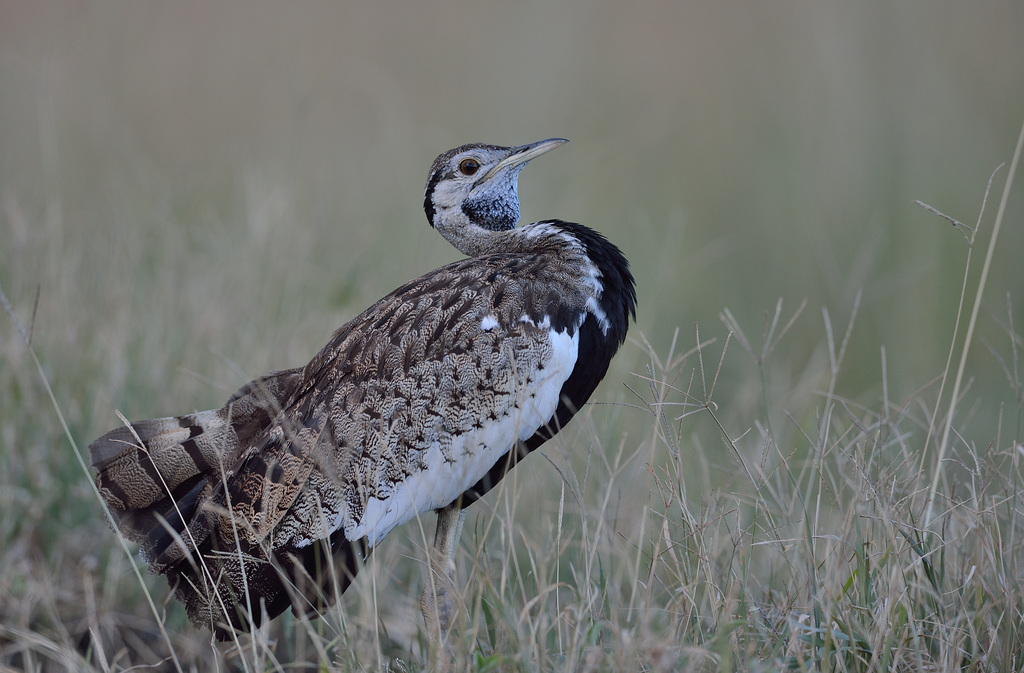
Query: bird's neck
pixel 476 241
pixel 472 240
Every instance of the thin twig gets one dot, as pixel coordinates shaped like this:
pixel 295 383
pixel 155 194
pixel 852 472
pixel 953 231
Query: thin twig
pixel 944 445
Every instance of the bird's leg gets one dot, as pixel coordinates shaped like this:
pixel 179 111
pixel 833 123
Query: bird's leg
pixel 438 601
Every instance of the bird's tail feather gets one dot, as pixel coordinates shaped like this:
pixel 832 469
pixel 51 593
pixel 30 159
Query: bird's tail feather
pixel 160 479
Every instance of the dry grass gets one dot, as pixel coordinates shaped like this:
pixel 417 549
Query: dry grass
pixel 801 531
pixel 194 194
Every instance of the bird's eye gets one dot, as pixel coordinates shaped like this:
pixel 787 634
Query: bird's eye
pixel 469 166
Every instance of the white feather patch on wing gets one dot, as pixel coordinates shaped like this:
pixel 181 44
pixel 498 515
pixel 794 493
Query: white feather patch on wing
pixel 489 322
pixel 443 481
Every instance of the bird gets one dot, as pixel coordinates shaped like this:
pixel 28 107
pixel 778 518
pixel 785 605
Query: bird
pixel 422 402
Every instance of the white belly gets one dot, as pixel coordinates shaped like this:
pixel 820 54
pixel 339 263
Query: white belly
pixel 476 452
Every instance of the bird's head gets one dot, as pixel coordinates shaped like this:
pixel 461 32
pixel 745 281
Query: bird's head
pixel 472 191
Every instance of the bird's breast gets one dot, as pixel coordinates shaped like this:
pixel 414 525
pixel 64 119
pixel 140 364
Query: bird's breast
pixel 460 454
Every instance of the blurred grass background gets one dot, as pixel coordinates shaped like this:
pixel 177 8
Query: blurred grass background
pixel 197 193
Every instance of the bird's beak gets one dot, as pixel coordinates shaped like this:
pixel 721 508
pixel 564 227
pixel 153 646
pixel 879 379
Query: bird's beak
pixel 520 155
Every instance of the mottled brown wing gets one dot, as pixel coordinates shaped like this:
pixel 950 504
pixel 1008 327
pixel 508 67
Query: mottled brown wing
pixel 433 362
pixel 419 351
